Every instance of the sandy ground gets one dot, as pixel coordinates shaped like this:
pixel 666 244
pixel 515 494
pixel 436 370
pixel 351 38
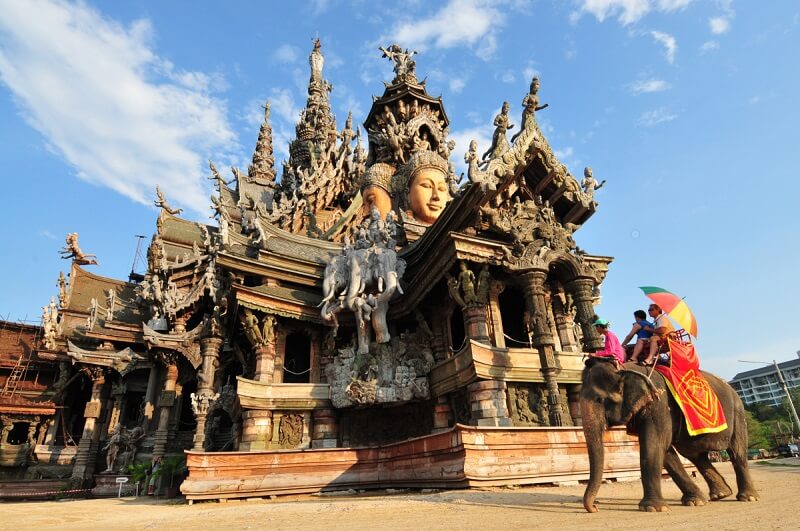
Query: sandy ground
pixel 523 507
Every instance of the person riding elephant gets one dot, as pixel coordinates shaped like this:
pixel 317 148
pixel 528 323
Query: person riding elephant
pixel 629 397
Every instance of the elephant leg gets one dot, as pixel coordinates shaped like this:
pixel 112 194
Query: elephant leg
pixel 738 453
pixel 653 449
pixel 717 486
pixel 692 495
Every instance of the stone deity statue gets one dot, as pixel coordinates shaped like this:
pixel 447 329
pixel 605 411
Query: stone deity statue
pixel 502 123
pixel 589 184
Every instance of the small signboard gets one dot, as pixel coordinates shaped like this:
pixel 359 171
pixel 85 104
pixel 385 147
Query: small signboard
pixel 121 480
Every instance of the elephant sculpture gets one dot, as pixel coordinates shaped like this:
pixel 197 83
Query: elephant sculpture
pixel 611 397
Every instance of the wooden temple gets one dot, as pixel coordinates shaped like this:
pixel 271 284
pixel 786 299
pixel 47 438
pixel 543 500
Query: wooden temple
pixel 365 320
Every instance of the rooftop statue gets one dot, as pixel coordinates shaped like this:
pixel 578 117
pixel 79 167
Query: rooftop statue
pixel 530 105
pixel 502 123
pixel 590 184
pixel 72 250
pixel 219 182
pixel 164 205
pixel 404 65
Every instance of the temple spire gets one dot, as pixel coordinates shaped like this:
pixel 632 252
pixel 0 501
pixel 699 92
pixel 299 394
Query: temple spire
pixel 262 169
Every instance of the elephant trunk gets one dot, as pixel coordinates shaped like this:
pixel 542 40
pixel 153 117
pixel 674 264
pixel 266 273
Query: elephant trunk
pixel 594 425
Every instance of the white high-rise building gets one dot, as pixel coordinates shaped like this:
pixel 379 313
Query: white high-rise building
pixel 761 386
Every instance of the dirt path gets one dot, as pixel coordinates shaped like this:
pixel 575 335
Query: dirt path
pixel 526 507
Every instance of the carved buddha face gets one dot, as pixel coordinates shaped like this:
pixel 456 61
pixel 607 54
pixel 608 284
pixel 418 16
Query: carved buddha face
pixel 375 196
pixel 428 194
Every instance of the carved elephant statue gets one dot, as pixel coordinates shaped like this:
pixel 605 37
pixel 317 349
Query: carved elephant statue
pixel 628 397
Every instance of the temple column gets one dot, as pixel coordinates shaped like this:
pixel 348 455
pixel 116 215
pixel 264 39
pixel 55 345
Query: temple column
pixel 581 289
pixel 488 403
pixel 325 432
pixel 150 397
pixel 86 456
pixel 442 415
pixel 495 318
pixel 52 429
pixel 475 322
pixel 257 423
pixel 165 403
pixel 533 283
pixel 573 399
pixel 117 394
pixel 205 396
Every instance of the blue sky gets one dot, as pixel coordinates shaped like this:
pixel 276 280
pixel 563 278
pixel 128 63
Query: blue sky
pixel 687 108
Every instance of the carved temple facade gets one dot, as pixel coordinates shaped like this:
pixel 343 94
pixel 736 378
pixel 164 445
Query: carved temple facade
pixel 364 298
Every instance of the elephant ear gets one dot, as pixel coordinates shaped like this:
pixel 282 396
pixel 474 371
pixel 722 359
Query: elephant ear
pixel 638 393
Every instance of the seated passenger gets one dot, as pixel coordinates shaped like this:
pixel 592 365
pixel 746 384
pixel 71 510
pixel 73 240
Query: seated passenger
pixel 643 330
pixel 612 348
pixel 662 327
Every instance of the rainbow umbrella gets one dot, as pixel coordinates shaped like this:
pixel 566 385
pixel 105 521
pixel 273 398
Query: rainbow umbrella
pixel 673 306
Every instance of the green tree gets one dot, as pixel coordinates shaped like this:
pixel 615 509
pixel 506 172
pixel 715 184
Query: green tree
pixel 759 435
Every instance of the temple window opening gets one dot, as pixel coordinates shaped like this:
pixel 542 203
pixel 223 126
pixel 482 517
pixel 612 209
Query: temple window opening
pixel 512 314
pixel 297 360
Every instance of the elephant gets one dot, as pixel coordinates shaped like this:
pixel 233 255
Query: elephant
pixel 629 396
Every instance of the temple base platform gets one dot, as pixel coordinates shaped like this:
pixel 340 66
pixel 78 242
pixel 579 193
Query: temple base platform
pixel 460 457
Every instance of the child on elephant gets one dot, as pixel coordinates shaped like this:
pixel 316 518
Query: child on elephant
pixel 643 330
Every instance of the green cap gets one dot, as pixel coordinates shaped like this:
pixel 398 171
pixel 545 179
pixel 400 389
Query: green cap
pixel 601 322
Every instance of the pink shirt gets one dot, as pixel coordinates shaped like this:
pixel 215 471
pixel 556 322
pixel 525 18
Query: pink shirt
pixel 612 348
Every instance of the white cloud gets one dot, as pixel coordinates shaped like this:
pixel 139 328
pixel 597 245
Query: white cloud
pixel 627 11
pixel 103 99
pixel 283 105
pixel 508 77
pixel 656 116
pixel 669 43
pixel 460 22
pixel 644 86
pixel 719 25
pixel 708 46
pixel 457 85
pixel 286 54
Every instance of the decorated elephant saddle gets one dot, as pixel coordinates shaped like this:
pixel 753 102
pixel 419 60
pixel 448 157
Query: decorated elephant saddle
pixel 698 401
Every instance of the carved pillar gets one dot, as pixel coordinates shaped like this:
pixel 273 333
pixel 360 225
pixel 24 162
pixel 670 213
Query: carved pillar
pixel 326 428
pixel 488 403
pixel 581 289
pixel 534 285
pixel 86 456
pixel 573 399
pixel 280 355
pixel 495 318
pixel 442 414
pixel 150 398
pixel 117 394
pixel 475 322
pixel 265 362
pixel 563 322
pixel 205 396
pixel 165 403
pixel 52 429
pixel 256 430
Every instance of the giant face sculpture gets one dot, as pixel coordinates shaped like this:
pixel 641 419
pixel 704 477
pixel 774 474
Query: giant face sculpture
pixel 428 194
pixel 375 196
pixel 376 189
